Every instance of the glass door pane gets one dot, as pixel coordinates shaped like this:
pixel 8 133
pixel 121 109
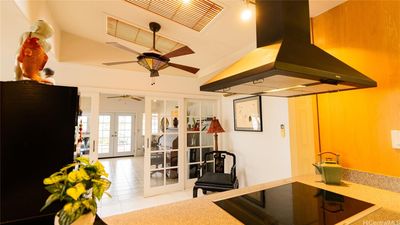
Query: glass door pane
pixel 171 142
pixel 163 172
pixel 158 127
pixel 199 114
pixel 105 136
pixel 124 135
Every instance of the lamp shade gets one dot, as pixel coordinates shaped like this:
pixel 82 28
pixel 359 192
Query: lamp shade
pixel 215 127
pixel 152 61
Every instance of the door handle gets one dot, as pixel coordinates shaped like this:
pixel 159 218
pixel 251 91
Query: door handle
pixel 94 146
pixel 148 143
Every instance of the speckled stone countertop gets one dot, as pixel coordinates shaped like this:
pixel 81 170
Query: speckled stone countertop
pixel 203 211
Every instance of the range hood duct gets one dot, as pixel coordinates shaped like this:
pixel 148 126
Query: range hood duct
pixel 285 63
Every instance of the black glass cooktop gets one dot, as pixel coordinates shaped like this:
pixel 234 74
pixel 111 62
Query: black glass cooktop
pixel 292 204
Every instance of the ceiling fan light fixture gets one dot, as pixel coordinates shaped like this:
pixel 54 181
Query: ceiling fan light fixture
pixel 154 73
pixel 152 61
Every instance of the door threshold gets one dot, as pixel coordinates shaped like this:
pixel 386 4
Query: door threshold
pixel 111 157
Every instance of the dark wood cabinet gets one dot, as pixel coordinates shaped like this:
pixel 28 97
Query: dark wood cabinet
pixel 37 127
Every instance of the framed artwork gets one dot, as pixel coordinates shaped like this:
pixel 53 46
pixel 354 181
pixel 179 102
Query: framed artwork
pixel 247 114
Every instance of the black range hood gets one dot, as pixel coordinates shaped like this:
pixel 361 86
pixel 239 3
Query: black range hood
pixel 285 63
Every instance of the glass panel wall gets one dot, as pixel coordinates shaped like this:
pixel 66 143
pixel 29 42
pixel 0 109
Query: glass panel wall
pixel 199 114
pixel 164 143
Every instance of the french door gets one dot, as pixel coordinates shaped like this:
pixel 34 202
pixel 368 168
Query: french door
pixel 116 134
pixel 163 158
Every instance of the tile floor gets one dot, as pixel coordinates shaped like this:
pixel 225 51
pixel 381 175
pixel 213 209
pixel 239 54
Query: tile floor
pixel 126 175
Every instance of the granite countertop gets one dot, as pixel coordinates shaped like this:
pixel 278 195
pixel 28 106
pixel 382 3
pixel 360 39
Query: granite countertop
pixel 203 211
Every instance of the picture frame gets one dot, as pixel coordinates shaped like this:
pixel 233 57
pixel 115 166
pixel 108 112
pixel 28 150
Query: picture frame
pixel 247 114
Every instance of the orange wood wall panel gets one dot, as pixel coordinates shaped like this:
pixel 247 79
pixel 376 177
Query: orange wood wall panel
pixel 357 124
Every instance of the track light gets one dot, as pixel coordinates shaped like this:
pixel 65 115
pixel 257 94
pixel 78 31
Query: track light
pixel 246 12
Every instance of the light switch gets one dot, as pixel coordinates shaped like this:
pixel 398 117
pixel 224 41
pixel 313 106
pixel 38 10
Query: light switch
pixel 396 139
pixel 283 131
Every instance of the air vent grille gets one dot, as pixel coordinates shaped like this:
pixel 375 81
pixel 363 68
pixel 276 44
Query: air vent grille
pixel 139 36
pixel 196 14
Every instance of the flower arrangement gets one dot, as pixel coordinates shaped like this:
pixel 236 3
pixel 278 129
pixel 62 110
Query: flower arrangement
pixel 78 185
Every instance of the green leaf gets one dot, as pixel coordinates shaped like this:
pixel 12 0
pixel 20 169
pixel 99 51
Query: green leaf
pixel 65 219
pixel 83 159
pixel 76 191
pixel 68 166
pixel 50 200
pixel 56 174
pixel 54 188
pixel 83 174
pixel 74 177
pixel 100 169
pixel 100 186
pixel 54 179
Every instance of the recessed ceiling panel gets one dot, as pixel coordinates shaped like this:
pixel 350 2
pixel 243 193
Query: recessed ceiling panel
pixel 139 36
pixel 126 32
pixel 196 14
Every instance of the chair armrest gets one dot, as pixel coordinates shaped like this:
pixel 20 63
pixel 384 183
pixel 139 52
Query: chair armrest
pixel 201 167
pixel 233 173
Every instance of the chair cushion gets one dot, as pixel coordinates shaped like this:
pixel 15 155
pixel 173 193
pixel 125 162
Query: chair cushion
pixel 215 178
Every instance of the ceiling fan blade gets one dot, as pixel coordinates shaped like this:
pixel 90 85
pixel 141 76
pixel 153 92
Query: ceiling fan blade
pixel 121 96
pixel 120 62
pixel 185 68
pixel 185 50
pixel 118 45
pixel 136 98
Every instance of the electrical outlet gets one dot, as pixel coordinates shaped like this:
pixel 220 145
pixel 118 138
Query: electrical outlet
pixel 396 139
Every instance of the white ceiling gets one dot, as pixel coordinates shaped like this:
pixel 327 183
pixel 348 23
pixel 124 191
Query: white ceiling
pixel 218 45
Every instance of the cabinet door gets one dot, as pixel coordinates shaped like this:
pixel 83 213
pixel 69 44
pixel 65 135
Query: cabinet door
pixel 37 138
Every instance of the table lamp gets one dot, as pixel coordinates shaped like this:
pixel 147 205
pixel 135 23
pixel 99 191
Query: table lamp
pixel 215 128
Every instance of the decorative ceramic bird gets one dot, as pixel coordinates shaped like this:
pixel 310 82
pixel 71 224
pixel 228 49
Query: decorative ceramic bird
pixel 32 59
pixel 31 56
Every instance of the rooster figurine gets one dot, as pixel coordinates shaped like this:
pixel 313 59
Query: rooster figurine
pixel 32 59
pixel 32 55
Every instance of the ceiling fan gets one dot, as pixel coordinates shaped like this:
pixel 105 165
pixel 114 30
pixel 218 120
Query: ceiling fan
pixel 128 97
pixel 153 60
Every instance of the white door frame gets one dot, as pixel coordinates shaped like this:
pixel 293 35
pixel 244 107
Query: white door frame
pixel 133 134
pixel 113 145
pixel 148 190
pixel 93 122
pixel 110 147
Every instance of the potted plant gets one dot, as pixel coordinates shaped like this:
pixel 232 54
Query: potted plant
pixel 78 185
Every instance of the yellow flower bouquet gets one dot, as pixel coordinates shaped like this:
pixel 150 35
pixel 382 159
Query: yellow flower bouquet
pixel 78 185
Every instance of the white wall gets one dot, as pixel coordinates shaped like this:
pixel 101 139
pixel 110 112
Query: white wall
pixel 10 19
pixel 261 156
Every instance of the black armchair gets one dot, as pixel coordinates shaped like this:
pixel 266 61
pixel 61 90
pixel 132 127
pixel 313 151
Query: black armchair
pixel 215 179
